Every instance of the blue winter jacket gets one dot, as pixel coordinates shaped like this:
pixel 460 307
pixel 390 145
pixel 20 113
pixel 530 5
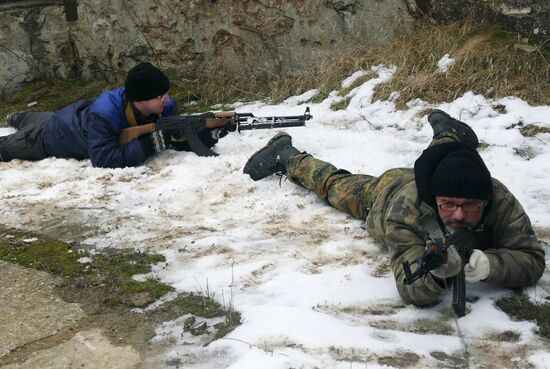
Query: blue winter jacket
pixel 90 129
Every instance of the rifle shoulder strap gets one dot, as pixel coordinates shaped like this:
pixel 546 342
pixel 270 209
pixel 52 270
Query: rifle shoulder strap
pixel 428 223
pixel 130 116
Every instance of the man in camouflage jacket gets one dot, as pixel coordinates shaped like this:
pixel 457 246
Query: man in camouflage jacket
pixel 451 184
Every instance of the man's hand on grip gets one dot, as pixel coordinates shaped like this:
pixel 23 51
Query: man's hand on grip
pixel 219 132
pixel 154 142
pixel 450 267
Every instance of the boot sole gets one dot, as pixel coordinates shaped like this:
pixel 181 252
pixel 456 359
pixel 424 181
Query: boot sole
pixel 267 146
pixel 460 124
pixel 276 137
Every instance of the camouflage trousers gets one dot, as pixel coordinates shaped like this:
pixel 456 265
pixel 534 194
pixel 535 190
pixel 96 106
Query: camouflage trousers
pixel 353 194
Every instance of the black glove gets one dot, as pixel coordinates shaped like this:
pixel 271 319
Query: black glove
pixel 154 142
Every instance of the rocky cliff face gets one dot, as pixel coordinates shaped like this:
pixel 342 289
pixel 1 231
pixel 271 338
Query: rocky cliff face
pixel 189 37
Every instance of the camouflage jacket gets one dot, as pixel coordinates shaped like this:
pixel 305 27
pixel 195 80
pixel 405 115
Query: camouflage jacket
pixel 515 256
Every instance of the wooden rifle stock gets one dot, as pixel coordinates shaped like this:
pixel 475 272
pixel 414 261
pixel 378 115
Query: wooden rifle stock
pixel 131 133
pixel 217 122
pixel 222 118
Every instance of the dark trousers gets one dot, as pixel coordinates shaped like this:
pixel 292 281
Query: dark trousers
pixel 26 143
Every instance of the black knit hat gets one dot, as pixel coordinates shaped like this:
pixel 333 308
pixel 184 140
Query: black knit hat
pixel 145 82
pixel 462 173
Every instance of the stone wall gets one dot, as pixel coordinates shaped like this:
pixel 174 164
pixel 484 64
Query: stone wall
pixel 188 38
pixel 191 38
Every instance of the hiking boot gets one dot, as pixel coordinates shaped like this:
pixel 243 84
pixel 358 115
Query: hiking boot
pixel 443 123
pixel 272 158
pixel 12 118
pixel 21 118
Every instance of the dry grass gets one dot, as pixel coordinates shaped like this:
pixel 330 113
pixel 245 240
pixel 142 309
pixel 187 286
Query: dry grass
pixel 486 62
pixel 275 88
pixel 532 130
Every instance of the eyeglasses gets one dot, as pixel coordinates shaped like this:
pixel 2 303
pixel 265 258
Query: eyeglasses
pixel 467 207
pixel 163 98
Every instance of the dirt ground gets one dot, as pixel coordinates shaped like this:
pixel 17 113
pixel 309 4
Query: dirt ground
pixel 51 322
pixel 41 330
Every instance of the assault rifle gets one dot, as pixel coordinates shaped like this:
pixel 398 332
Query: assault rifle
pixel 434 256
pixel 232 121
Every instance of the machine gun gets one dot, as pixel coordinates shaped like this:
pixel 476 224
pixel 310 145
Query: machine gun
pixel 434 256
pixel 187 126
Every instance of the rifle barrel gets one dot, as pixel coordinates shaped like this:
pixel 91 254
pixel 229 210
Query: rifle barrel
pixel 270 124
pixel 247 121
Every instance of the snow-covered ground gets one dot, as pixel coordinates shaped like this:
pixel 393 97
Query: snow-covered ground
pixel 313 289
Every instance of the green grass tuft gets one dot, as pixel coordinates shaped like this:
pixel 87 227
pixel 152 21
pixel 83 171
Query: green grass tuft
pixel 112 272
pixel 52 256
pixel 520 307
pixel 199 305
pixel 112 269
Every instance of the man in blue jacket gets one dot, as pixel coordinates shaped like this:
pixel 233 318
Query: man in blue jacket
pixel 91 128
